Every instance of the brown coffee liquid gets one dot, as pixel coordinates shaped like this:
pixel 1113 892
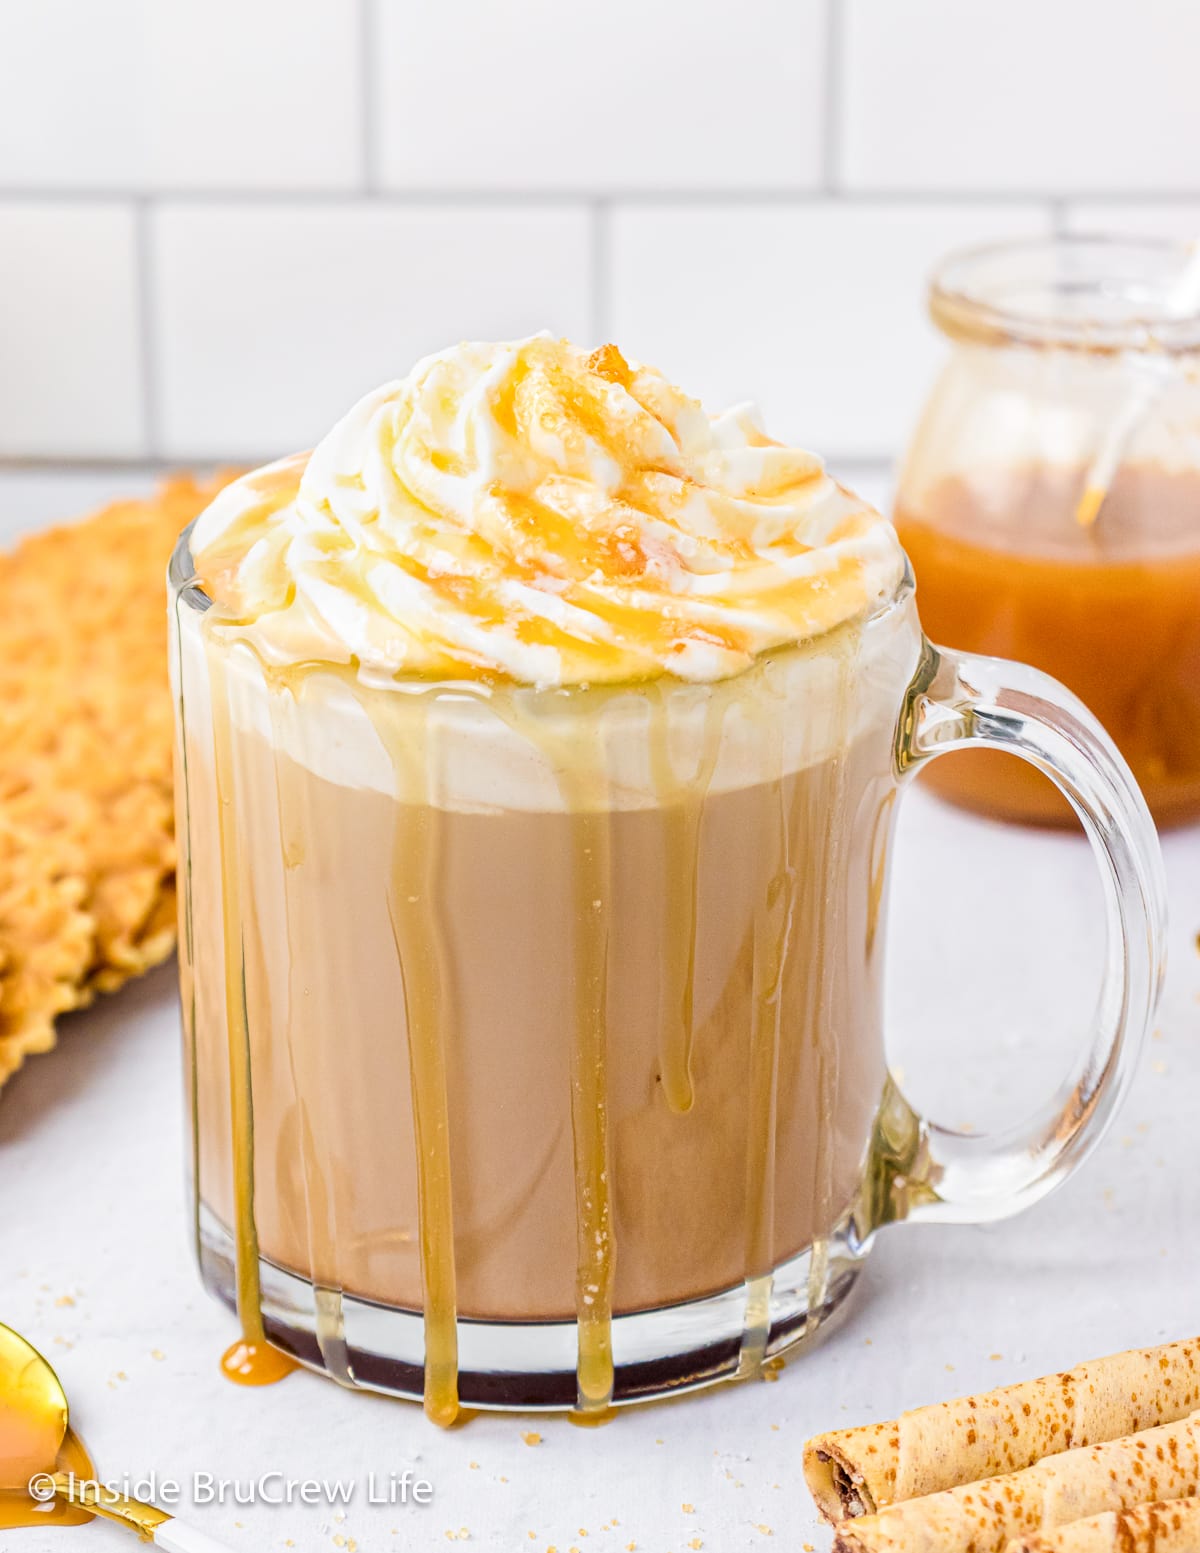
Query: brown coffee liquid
pixel 1112 610
pixel 532 1065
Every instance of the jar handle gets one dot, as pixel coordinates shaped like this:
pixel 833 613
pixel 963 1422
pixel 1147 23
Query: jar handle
pixel 924 1170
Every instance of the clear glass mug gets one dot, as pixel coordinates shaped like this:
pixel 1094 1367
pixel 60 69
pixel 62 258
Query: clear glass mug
pixel 534 1037
pixel 1074 370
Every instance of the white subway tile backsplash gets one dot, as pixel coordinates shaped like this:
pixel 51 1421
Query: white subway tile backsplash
pixel 70 378
pixel 537 94
pixel 748 192
pixel 190 94
pixel 1043 95
pixel 273 99
pixel 271 322
pixel 816 311
pixel 71 112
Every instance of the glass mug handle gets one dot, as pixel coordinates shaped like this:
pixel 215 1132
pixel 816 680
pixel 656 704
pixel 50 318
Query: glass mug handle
pixel 926 1171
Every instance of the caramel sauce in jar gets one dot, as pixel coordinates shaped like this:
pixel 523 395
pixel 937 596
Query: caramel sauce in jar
pixel 1112 610
pixel 1050 500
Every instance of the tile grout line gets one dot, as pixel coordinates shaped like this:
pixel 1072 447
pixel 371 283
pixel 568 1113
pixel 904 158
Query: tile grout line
pixel 146 330
pixel 686 198
pixel 94 464
pixel 369 115
pixel 89 464
pixel 831 123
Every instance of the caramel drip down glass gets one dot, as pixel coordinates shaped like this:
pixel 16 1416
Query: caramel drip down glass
pixel 534 1037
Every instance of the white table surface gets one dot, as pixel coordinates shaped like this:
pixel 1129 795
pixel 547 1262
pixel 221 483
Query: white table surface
pixel 993 957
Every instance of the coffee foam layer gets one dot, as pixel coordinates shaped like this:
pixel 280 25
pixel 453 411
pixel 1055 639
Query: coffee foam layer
pixel 480 750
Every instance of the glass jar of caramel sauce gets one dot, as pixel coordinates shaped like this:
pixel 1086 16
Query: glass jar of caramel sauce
pixel 1050 500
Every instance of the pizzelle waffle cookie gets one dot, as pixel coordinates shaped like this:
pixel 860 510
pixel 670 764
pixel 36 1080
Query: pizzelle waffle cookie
pixel 1106 1455
pixel 1157 1465
pixel 87 849
pixel 46 940
pixel 1168 1526
pixel 858 1471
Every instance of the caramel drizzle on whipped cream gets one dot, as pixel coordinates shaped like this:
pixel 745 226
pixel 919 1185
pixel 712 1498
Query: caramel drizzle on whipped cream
pixel 531 512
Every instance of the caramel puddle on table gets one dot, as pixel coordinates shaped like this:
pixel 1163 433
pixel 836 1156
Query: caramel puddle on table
pixel 250 1361
pixel 18 1509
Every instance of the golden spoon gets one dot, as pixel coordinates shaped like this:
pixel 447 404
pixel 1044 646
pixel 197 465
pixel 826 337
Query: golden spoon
pixel 33 1426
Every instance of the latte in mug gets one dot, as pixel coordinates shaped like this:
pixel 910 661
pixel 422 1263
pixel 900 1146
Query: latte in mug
pixel 538 753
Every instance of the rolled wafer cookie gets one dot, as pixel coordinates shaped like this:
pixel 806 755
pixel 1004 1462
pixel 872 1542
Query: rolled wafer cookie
pixel 1157 1464
pixel 857 1471
pixel 1165 1527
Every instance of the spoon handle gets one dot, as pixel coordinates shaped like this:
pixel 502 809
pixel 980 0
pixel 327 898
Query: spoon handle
pixel 150 1523
pixel 174 1537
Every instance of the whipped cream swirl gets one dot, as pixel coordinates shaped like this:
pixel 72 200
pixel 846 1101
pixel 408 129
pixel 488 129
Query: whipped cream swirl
pixel 531 511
